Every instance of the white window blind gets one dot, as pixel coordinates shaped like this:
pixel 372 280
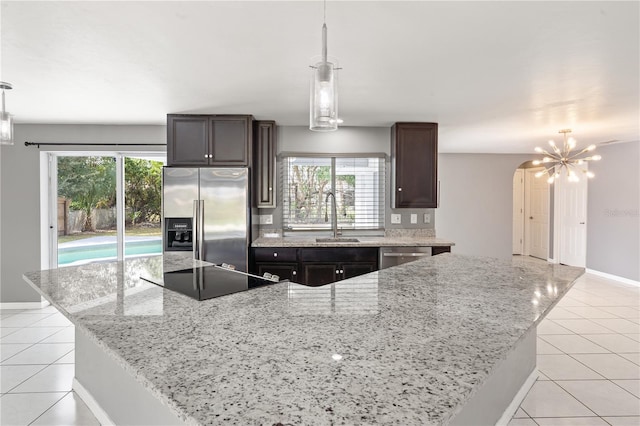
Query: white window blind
pixel 358 185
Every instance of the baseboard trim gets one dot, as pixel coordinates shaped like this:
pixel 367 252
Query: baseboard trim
pixel 93 405
pixel 517 400
pixel 613 277
pixel 24 305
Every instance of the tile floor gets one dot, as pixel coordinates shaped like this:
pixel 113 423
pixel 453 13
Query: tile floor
pixel 588 358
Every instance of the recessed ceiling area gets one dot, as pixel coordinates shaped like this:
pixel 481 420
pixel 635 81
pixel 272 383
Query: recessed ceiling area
pixel 498 77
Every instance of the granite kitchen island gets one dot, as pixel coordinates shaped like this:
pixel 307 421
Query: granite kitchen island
pixel 422 343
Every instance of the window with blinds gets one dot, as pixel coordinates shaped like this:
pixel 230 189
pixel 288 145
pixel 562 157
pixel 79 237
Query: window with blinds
pixel 356 182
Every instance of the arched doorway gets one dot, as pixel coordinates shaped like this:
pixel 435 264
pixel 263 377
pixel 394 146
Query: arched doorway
pixel 532 214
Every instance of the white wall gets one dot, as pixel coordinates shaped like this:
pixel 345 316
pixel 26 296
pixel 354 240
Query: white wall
pixel 476 202
pixel 613 212
pixel 20 192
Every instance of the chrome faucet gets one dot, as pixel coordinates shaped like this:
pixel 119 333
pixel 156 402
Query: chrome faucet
pixel 334 214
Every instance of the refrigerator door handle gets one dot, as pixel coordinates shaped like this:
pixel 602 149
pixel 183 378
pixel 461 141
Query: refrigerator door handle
pixel 196 229
pixel 201 230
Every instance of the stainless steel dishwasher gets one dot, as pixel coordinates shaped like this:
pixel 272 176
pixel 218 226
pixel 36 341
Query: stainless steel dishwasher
pixel 392 256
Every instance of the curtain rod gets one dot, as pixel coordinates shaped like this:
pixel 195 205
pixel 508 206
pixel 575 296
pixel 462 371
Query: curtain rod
pixel 38 144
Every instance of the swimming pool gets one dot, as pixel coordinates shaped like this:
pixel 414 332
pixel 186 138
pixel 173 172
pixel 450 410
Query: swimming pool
pixel 106 250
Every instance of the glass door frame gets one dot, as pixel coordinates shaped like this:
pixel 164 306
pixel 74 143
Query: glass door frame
pixel 49 198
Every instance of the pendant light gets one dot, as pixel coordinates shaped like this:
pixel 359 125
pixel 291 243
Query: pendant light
pixel 323 108
pixel 6 120
pixel 565 159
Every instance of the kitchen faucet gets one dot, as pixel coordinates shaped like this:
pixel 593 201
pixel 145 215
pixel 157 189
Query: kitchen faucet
pixel 334 214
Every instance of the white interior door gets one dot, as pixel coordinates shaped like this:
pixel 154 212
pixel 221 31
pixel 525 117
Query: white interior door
pixel 518 211
pixel 572 209
pixel 536 215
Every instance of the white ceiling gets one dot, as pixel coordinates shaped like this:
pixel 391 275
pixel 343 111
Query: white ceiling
pixel 497 76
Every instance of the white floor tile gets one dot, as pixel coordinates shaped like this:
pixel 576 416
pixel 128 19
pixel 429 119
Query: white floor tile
pixel 567 301
pixel 544 348
pixel 603 397
pixel 590 312
pixel 582 326
pixel 22 320
pixel 549 327
pixel 66 335
pixel 634 336
pixel 54 378
pixel 542 376
pixel 23 408
pixel 634 358
pixel 547 399
pixel 521 422
pixel 48 309
pixel 619 325
pixel 570 421
pixel 559 312
pixel 69 358
pixel 55 320
pixel 8 350
pixel 623 421
pixel 563 367
pixel 615 342
pixel 611 366
pixel 5 331
pixel 574 344
pixel 40 353
pixel 623 311
pixel 30 334
pixel 632 386
pixel 520 414
pixel 621 301
pixel 12 375
pixel 70 410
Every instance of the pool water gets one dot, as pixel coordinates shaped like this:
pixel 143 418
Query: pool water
pixel 108 250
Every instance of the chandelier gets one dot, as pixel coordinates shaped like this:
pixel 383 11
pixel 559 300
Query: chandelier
pixel 565 159
pixel 323 108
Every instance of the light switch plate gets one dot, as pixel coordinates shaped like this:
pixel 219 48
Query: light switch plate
pixel 414 218
pixel 396 218
pixel 427 218
pixel 266 219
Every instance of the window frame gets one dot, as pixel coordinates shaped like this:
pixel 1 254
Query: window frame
pixel 284 176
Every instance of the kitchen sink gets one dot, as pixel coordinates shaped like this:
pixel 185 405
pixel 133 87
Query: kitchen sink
pixel 337 240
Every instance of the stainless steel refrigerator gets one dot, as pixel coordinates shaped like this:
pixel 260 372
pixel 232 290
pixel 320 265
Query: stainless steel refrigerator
pixel 206 213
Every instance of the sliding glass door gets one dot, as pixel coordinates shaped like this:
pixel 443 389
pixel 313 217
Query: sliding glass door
pixel 89 192
pixel 143 201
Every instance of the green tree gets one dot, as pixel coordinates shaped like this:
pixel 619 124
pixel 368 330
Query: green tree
pixel 88 182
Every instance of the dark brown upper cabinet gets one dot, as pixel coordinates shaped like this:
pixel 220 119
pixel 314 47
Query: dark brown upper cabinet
pixel 414 165
pixel 264 161
pixel 209 140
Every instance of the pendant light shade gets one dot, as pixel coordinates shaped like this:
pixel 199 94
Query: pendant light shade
pixel 323 105
pixel 6 119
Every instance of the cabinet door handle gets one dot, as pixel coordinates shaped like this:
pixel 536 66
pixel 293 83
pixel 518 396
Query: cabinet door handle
pixel 399 189
pixel 337 271
pixel 294 273
pixel 275 254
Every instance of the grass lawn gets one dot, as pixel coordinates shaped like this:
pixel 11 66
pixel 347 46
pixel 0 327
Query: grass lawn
pixel 136 231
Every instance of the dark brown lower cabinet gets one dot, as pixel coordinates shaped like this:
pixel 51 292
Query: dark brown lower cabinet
pixel 315 266
pixel 440 249
pixel 286 271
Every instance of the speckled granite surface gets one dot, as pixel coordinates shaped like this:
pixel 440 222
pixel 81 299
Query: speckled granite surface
pixel 414 341
pixel 364 242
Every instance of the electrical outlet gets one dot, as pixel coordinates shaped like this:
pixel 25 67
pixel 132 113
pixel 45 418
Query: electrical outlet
pixel 266 219
pixel 427 218
pixel 414 218
pixel 396 218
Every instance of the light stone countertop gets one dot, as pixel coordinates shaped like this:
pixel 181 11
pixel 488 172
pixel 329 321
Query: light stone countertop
pixel 416 340
pixel 363 242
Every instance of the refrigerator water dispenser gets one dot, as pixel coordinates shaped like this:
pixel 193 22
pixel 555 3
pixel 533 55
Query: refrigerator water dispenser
pixel 178 234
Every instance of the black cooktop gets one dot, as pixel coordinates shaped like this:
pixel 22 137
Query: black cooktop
pixel 207 282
